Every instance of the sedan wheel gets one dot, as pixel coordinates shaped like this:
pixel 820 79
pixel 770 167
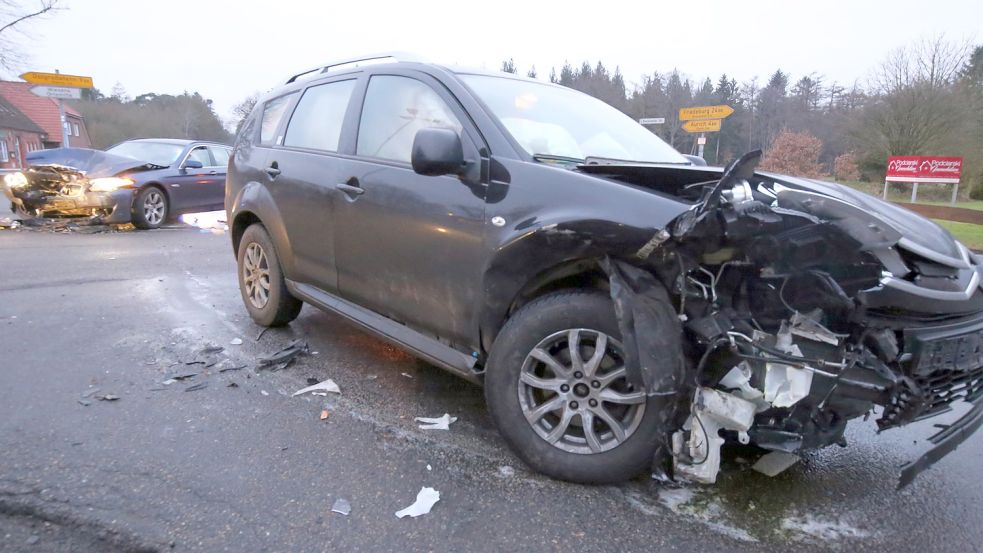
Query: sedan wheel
pixel 154 207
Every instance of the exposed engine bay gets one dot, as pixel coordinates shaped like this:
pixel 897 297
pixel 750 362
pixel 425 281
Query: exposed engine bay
pixel 54 189
pixel 799 312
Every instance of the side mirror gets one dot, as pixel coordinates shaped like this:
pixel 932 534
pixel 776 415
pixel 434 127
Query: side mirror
pixel 192 164
pixel 437 152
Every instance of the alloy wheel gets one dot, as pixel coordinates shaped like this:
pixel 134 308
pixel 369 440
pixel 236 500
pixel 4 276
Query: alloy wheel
pixel 574 392
pixel 256 275
pixel 153 207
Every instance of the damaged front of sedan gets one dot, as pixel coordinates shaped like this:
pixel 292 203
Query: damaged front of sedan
pixel 801 305
pixel 77 182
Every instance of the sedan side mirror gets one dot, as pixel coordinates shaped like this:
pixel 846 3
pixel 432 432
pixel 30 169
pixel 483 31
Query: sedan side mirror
pixel 437 151
pixel 192 164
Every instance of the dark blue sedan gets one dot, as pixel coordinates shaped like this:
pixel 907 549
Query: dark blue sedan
pixel 145 181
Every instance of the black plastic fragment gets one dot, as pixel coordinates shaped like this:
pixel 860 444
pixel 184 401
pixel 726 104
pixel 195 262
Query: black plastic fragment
pixel 283 358
pixel 650 330
pixel 196 387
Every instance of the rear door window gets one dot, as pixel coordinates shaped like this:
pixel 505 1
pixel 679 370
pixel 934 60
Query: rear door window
pixel 316 122
pixel 393 110
pixel 273 113
pixel 220 155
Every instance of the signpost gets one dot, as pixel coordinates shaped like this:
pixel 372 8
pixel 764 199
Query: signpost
pixel 652 120
pixel 57 92
pixel 928 169
pixel 57 79
pixel 705 125
pixel 61 87
pixel 704 119
pixel 705 112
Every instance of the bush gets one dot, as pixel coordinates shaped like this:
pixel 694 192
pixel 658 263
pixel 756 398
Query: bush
pixel 794 153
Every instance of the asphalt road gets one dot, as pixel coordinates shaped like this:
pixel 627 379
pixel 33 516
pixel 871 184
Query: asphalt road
pixel 240 465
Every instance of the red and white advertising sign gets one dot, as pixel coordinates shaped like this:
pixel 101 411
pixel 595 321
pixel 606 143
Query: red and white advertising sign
pixel 924 169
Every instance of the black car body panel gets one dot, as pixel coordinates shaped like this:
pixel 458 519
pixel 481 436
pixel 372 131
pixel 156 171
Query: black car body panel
pixel 439 264
pixel 58 183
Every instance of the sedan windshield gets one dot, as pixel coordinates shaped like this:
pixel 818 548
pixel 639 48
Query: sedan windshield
pixel 548 120
pixel 158 153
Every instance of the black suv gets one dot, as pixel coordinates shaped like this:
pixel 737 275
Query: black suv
pixel 622 306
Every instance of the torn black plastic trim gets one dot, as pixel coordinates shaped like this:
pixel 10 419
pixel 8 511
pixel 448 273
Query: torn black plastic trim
pixel 946 441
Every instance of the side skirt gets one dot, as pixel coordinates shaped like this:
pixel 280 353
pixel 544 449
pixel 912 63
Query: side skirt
pixel 412 341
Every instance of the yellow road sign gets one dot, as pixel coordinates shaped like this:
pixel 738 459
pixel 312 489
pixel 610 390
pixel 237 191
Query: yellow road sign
pixel 705 112
pixel 57 79
pixel 703 125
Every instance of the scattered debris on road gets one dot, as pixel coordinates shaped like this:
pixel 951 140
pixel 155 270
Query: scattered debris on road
pixel 262 332
pixel 439 423
pixel 324 414
pixel 90 392
pixel 196 387
pixel 506 471
pixel 211 350
pixel 425 500
pixel 264 392
pixel 232 368
pixel 775 463
pixel 236 342
pixel 342 507
pixel 325 386
pixel 282 359
pixel 407 375
pixel 107 397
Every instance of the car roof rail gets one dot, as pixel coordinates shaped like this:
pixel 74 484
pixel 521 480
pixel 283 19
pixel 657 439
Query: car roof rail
pixel 382 57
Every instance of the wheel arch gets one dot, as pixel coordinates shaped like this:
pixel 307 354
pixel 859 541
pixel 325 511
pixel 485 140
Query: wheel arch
pixel 254 204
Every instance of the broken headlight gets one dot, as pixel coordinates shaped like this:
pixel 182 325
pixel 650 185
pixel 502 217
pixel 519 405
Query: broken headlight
pixel 15 180
pixel 109 184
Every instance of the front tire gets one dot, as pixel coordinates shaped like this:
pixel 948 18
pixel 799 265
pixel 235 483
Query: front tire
pixel 261 282
pixel 150 208
pixel 557 390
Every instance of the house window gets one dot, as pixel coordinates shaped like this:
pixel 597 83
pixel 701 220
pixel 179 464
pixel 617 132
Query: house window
pixel 75 129
pixel 4 155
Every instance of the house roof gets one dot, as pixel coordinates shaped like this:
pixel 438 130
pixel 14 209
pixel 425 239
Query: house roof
pixel 12 118
pixel 43 111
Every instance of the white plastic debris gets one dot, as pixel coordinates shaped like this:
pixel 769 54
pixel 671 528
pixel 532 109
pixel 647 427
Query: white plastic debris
pixel 785 385
pixel 429 467
pixel 439 423
pixel 775 463
pixel 264 392
pixel 698 458
pixel 506 471
pixel 325 386
pixel 425 500
pixel 407 375
pixel 236 342
pixel 341 506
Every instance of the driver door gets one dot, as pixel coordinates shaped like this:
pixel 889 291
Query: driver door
pixel 409 246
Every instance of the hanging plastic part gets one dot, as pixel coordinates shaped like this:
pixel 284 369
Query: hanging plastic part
pixel 698 458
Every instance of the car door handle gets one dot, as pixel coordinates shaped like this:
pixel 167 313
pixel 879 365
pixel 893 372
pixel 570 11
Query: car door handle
pixel 273 170
pixel 213 172
pixel 350 189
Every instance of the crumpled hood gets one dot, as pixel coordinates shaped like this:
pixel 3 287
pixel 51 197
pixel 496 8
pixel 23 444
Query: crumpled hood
pixel 93 163
pixel 913 227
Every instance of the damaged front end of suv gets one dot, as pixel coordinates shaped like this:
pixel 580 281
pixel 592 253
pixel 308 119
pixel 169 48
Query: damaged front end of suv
pixel 803 305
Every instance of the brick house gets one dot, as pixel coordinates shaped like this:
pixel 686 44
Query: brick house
pixel 18 136
pixel 44 113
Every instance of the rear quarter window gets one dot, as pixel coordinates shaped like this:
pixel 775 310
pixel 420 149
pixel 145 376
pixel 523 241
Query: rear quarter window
pixel 273 113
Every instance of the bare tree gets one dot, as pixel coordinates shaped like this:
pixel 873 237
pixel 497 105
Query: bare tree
pixel 15 17
pixel 931 62
pixel 242 110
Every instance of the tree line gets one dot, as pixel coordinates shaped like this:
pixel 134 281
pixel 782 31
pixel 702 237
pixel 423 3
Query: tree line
pixel 117 117
pixel 923 99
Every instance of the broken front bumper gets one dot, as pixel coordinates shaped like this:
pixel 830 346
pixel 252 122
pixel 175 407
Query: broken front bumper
pixel 945 442
pixel 111 207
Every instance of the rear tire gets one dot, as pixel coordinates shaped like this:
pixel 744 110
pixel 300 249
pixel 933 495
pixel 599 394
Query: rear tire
pixel 150 208
pixel 261 283
pixel 521 384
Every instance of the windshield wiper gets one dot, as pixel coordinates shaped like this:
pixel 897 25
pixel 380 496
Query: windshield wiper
pixel 557 159
pixel 596 160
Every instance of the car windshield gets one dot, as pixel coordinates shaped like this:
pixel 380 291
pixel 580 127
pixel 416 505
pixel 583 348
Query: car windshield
pixel 158 153
pixel 548 120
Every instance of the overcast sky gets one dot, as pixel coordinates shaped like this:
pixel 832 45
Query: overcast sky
pixel 227 50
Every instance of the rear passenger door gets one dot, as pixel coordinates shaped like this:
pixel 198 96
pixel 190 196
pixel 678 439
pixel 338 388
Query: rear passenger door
pixel 304 192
